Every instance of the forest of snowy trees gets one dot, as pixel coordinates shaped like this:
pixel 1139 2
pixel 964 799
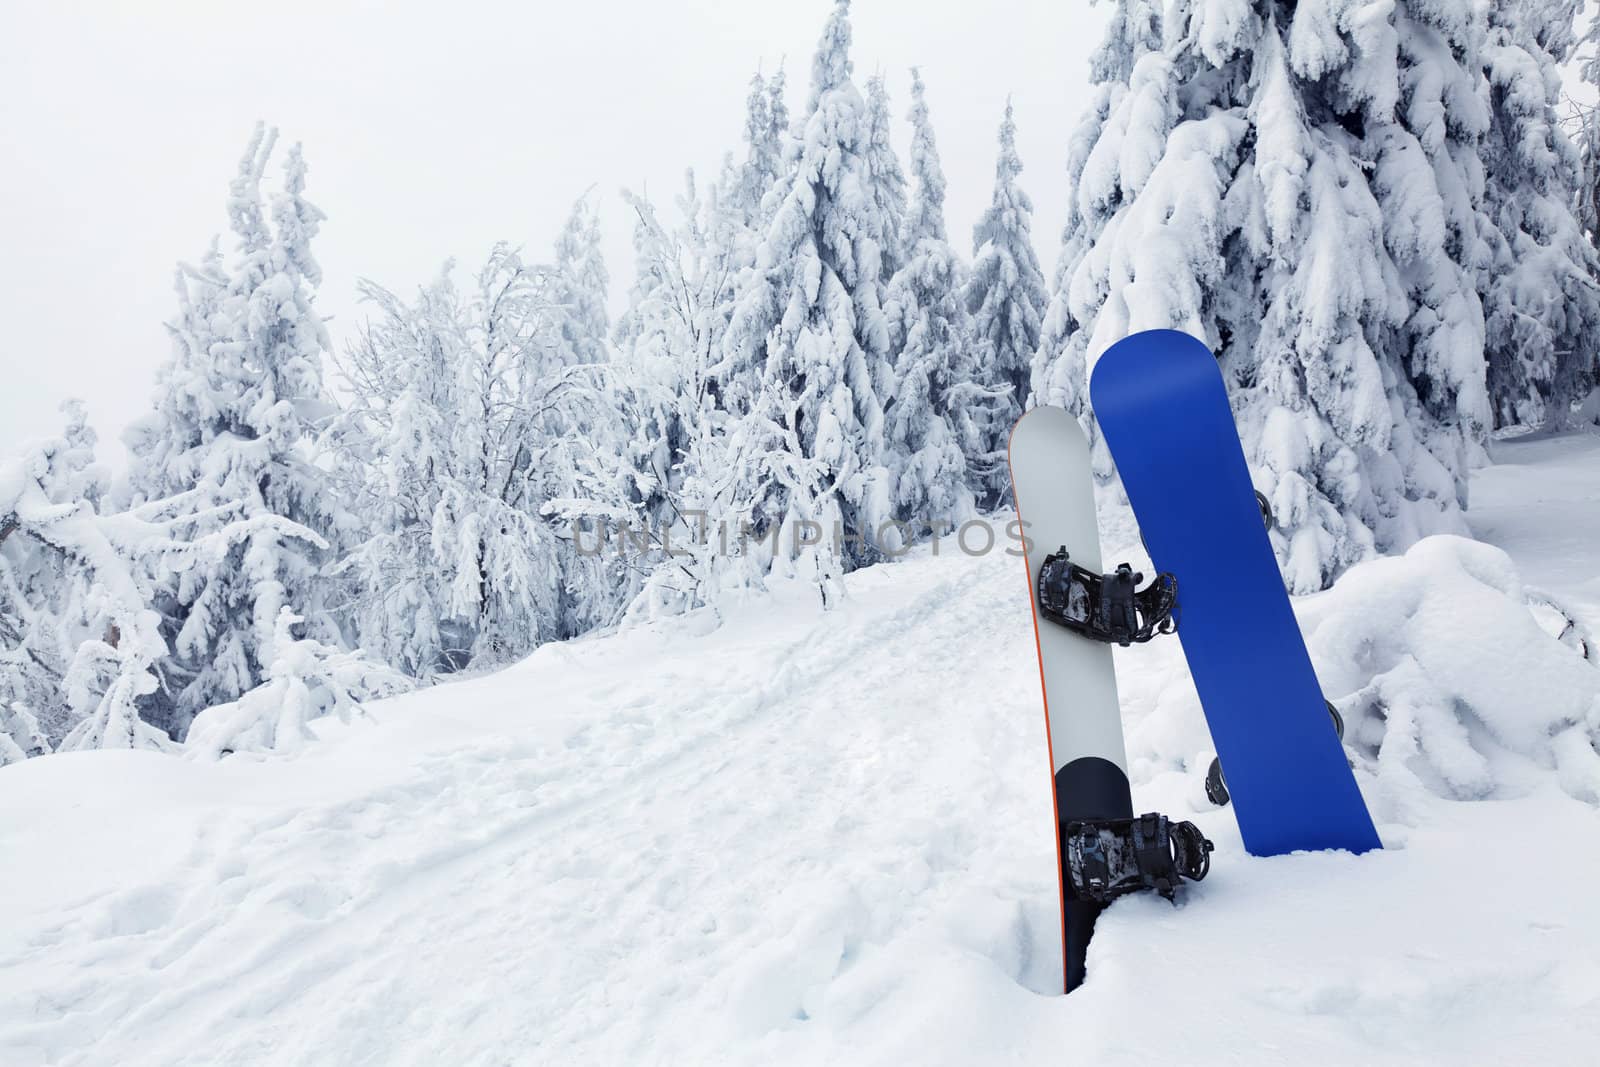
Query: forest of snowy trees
pixel 1373 213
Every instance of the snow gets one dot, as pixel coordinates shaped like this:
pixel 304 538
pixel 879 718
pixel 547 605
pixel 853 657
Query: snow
pixel 1541 502
pixel 809 837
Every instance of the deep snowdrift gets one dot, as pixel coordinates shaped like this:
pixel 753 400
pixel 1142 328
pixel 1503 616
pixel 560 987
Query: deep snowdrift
pixel 809 838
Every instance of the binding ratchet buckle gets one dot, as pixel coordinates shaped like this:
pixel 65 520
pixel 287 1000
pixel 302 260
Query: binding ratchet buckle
pixel 1106 607
pixel 1109 858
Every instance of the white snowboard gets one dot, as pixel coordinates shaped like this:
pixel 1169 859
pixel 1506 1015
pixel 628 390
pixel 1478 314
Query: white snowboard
pixel 1054 492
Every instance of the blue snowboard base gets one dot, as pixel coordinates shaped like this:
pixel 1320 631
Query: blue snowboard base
pixel 1163 408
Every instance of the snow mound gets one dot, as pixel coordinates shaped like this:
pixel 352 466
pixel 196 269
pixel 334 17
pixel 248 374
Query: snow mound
pixel 1447 679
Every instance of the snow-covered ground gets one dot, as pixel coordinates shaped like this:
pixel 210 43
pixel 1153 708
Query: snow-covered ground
pixel 1541 503
pixel 807 838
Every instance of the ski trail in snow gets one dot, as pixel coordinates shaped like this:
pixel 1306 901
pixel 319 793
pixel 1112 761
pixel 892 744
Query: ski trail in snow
pixel 666 821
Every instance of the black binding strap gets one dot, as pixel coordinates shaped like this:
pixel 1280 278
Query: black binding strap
pixel 1106 607
pixel 1109 858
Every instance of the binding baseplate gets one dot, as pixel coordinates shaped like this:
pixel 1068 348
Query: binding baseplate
pixel 1109 858
pixel 1106 607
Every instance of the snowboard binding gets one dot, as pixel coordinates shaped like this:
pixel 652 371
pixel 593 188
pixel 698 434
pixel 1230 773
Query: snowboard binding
pixel 1110 858
pixel 1106 607
pixel 1217 785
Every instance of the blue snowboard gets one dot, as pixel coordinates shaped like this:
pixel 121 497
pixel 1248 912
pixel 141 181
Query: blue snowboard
pixel 1162 405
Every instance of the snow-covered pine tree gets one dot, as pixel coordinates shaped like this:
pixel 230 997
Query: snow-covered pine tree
pixel 1299 185
pixel 74 473
pixel 1540 297
pixel 924 217
pixel 307 680
pixel 458 432
pixel 938 414
pixel 810 311
pixel 42 608
pixel 79 643
pixel 763 142
pixel 1587 135
pixel 780 133
pixel 761 152
pixel 77 640
pixel 579 289
pixel 887 177
pixel 1006 297
pixel 236 410
pixel 1584 125
pixel 731 221
pixel 1058 376
pixel 20 735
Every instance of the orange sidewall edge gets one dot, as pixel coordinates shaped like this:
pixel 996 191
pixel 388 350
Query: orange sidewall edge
pixel 1055 810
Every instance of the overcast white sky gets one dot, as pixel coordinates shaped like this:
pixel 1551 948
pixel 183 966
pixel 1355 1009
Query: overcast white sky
pixel 431 130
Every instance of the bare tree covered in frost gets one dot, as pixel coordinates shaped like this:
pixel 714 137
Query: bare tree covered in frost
pixel 810 312
pixel 675 495
pixel 1300 186
pixel 235 413
pixel 461 426
pixel 1006 298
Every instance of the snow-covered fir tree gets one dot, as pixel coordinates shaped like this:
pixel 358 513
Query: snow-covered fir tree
pixel 1584 127
pixel 80 645
pixel 579 286
pixel 755 175
pixel 20 735
pixel 77 640
pixel 732 218
pixel 937 414
pixel 887 176
pixel 780 132
pixel 235 414
pixel 766 131
pixel 43 613
pixel 306 680
pixel 1301 186
pixel 1006 298
pixel 1541 301
pixel 810 311
pixel 461 427
pixel 1586 133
